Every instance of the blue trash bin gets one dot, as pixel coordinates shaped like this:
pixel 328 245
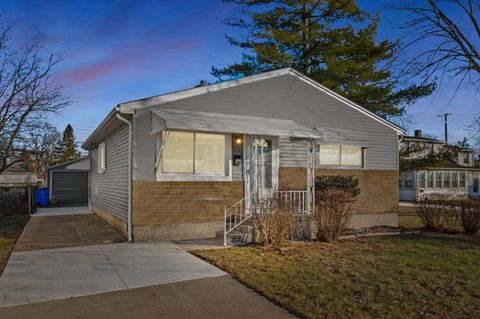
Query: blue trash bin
pixel 42 196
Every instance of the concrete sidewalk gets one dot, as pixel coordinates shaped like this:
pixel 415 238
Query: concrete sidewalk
pixel 42 275
pixel 215 297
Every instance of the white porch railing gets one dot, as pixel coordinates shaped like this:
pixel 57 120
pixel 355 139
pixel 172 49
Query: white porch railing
pixel 296 201
pixel 234 217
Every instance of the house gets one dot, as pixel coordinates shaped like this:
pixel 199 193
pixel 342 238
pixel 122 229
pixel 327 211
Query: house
pixel 166 167
pixel 17 190
pixel 68 182
pixel 456 176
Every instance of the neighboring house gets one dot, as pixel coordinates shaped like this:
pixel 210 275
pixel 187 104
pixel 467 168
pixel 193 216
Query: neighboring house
pixel 455 177
pixel 165 167
pixel 68 182
pixel 16 175
pixel 17 187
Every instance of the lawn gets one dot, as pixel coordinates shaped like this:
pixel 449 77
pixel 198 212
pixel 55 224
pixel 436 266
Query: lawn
pixel 10 228
pixel 421 275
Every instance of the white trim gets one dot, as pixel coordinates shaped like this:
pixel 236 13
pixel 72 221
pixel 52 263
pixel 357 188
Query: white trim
pixel 130 107
pixel 101 158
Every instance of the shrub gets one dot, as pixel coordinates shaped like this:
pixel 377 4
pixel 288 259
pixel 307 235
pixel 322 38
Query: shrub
pixel 470 216
pixel 272 222
pixel 438 214
pixel 332 214
pixel 347 184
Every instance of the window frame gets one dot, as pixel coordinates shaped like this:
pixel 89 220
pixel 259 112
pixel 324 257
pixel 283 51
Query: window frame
pixel 101 158
pixel 454 178
pixel 421 177
pixel 160 175
pixel 340 165
pixel 428 180
pixel 438 173
pixel 462 180
pixel 447 178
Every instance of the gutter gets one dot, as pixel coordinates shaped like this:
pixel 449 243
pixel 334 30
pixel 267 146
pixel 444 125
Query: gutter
pixel 129 213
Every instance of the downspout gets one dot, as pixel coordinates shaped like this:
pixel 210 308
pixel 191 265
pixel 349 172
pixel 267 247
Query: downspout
pixel 129 211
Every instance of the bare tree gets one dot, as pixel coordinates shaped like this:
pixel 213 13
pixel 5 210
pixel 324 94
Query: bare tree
pixel 39 142
pixel 27 94
pixel 446 37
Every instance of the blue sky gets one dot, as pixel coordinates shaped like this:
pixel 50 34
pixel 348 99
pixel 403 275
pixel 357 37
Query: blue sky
pixel 117 51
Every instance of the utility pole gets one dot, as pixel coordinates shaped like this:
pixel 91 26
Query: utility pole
pixel 445 121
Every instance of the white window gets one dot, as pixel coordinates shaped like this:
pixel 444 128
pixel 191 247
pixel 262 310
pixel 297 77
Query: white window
pixel 341 155
pixel 461 179
pixel 446 179
pixel 194 153
pixel 329 154
pixel 438 179
pixel 429 179
pixel 454 179
pixel 421 179
pixel 102 162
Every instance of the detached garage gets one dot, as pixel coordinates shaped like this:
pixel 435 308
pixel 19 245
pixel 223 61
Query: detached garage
pixel 68 182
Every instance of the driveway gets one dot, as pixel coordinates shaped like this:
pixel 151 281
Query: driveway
pixel 116 280
pixel 70 272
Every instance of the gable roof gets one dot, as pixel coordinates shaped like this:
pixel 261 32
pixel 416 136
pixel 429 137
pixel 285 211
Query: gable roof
pixel 131 106
pixel 67 162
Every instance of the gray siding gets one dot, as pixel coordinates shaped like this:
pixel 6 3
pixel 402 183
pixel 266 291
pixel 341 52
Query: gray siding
pixel 144 146
pixel 286 97
pixel 110 189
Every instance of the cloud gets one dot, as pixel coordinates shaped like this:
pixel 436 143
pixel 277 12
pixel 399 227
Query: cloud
pixel 133 58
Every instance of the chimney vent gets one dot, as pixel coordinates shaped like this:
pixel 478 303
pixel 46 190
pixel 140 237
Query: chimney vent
pixel 202 83
pixel 418 133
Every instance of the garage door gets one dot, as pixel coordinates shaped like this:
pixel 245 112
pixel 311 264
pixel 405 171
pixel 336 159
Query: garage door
pixel 70 188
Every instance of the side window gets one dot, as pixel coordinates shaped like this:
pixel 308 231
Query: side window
pixel 421 179
pixel 476 185
pixel 461 179
pixel 102 163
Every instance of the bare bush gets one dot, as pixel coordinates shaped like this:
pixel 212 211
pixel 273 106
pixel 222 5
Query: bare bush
pixel 438 214
pixel 273 221
pixel 332 214
pixel 470 216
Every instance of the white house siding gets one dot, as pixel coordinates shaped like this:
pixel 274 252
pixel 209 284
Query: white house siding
pixel 109 191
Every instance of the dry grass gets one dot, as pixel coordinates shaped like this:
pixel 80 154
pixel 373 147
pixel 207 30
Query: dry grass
pixel 422 275
pixel 10 228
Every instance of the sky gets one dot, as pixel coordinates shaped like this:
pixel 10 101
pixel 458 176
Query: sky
pixel 117 51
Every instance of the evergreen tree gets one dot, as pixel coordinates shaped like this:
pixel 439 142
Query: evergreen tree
pixel 332 41
pixel 66 149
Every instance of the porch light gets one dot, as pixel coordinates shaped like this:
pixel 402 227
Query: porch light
pixel 238 140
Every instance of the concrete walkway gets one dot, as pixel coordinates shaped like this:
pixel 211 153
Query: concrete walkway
pixel 214 297
pixel 116 280
pixel 59 211
pixel 66 231
pixel 69 272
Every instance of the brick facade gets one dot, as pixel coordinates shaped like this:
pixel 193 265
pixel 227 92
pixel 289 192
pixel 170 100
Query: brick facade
pixel 379 191
pixel 182 202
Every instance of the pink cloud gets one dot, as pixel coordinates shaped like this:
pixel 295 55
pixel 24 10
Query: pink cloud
pixel 127 59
